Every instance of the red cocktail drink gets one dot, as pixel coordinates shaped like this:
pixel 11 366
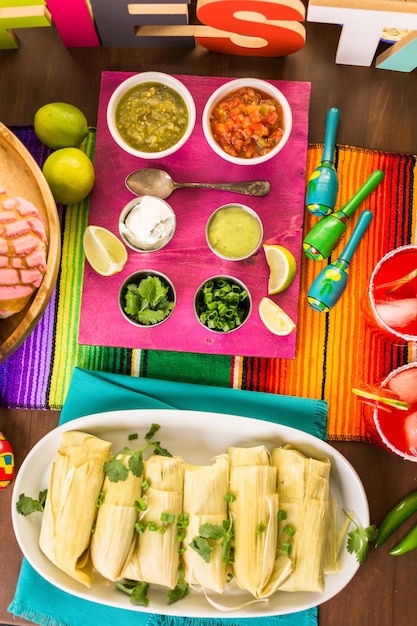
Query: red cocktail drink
pixel 394 429
pixel 393 293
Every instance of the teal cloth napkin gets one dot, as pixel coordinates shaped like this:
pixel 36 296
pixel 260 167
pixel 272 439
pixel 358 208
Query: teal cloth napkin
pixel 92 392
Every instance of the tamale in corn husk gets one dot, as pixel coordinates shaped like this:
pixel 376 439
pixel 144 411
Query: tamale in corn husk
pixel 303 488
pixel 71 505
pixel 114 535
pixel 155 558
pixel 334 539
pixel 257 568
pixel 205 490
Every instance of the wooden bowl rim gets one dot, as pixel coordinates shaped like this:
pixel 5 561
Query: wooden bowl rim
pixel 41 297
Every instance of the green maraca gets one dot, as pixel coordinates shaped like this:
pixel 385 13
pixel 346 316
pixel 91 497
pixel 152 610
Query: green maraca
pixel 326 234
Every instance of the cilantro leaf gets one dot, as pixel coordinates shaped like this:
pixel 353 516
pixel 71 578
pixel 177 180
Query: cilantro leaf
pixel 149 317
pixel 135 463
pixel 115 468
pixel 180 590
pixel 27 505
pixel 202 547
pixel 212 536
pixel 360 538
pixel 227 550
pixel 138 591
pixel 152 290
pixel 118 467
pixel 152 432
pixel 148 302
pixel 212 531
pixel 139 595
pixel 159 451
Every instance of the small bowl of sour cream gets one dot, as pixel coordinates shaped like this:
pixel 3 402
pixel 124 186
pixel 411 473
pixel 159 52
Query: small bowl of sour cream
pixel 147 224
pixel 234 232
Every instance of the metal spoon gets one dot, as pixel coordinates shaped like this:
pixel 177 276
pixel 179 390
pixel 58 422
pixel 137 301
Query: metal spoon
pixel 152 182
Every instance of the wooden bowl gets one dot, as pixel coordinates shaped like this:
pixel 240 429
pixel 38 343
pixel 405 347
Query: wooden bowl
pixel 21 176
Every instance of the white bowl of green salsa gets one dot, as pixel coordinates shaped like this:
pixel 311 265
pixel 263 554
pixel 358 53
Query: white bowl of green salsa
pixel 151 115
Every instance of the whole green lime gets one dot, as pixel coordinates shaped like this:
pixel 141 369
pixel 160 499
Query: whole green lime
pixel 60 125
pixel 69 174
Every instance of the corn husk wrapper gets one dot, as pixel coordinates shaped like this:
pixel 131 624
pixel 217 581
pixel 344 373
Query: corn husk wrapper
pixel 335 537
pixel 256 567
pixel 155 558
pixel 71 506
pixel 303 488
pixel 114 535
pixel 205 488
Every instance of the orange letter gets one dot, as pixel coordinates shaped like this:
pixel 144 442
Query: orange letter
pixel 251 27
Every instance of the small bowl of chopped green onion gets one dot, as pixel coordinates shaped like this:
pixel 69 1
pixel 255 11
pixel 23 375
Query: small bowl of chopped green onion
pixel 222 304
pixel 151 115
pixel 147 298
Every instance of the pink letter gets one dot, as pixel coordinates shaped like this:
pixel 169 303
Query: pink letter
pixel 74 23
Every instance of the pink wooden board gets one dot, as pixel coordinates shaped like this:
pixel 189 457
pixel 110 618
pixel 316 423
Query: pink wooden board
pixel 187 259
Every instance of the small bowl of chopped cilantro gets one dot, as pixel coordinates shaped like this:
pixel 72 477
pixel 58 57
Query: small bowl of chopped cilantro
pixel 147 298
pixel 151 115
pixel 247 121
pixel 222 304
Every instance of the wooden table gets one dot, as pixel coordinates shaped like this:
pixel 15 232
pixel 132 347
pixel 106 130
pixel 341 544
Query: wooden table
pixel 377 111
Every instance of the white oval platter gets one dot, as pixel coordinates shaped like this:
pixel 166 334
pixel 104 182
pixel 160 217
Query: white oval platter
pixel 197 436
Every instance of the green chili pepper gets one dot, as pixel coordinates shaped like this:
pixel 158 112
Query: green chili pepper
pixel 406 507
pixel 406 544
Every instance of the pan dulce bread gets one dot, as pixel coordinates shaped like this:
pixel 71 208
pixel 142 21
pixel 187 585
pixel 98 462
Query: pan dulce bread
pixel 22 252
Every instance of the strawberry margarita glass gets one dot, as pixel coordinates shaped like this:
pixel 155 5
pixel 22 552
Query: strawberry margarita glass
pixel 393 428
pixel 393 294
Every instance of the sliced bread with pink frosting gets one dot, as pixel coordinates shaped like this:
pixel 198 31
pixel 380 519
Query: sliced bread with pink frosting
pixel 22 252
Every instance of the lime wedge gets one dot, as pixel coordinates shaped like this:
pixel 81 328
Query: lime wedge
pixel 274 318
pixel 105 253
pixel 282 268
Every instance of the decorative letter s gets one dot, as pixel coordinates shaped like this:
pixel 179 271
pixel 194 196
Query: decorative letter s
pixel 267 28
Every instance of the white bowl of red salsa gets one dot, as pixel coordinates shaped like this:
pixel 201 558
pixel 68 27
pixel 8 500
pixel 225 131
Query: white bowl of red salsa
pixel 247 121
pixel 151 115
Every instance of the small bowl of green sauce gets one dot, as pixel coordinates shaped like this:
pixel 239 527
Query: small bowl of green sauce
pixel 147 298
pixel 151 115
pixel 234 232
pixel 222 304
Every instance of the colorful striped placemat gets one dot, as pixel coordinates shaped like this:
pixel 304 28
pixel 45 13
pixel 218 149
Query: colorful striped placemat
pixel 335 351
